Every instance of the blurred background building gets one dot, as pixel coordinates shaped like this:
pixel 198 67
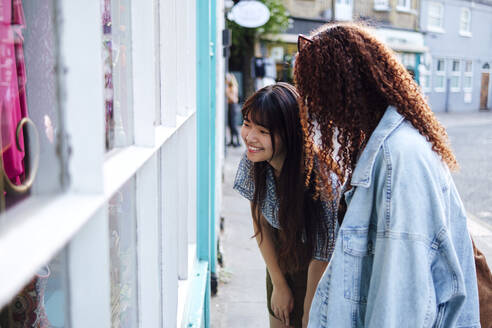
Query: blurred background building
pixel 456 69
pixel 445 45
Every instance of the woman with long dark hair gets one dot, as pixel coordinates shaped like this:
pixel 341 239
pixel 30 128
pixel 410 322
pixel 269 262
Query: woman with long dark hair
pixel 294 220
pixel 403 257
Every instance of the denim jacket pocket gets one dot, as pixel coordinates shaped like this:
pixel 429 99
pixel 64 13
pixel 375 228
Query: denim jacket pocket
pixel 358 256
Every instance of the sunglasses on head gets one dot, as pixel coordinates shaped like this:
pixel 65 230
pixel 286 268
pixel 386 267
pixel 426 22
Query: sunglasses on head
pixel 303 41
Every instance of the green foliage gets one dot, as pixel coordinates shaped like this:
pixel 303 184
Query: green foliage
pixel 245 37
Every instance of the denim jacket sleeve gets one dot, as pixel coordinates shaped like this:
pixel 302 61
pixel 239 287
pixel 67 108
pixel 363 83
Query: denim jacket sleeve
pixel 416 278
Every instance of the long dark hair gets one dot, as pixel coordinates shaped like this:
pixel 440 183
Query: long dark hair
pixel 276 108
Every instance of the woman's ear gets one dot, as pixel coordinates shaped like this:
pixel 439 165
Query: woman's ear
pixel 302 42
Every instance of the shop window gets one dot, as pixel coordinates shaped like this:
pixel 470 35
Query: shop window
pixel 435 17
pixel 382 5
pixel 440 77
pixel 117 72
pixel 465 22
pixel 123 257
pixel 29 124
pixel 468 76
pixel 455 82
pixel 42 302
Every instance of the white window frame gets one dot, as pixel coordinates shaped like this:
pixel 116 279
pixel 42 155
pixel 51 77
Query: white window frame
pixel 425 69
pixel 404 5
pixel 433 28
pixel 382 5
pixel 427 75
pixel 41 222
pixel 465 32
pixel 442 74
pixel 455 75
pixel 468 74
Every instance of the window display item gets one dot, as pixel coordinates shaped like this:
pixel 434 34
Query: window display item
pixel 13 104
pixel 27 309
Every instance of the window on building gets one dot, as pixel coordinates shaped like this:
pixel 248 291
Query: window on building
pixel 465 22
pixel 435 17
pixel 425 70
pixel 425 81
pixel 381 5
pixel 117 72
pixel 408 60
pixel 440 78
pixel 404 5
pixel 468 76
pixel 455 82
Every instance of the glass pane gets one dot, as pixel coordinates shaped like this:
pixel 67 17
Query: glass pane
pixel 467 82
pixel 117 72
pixel 381 4
pixel 455 82
pixel 456 66
pixel 42 303
pixel 440 65
pixel 122 228
pixel 468 66
pixel 435 15
pixel 465 20
pixel 424 81
pixel 440 82
pixel 28 100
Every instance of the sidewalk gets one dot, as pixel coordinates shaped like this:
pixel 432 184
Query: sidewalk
pixel 241 298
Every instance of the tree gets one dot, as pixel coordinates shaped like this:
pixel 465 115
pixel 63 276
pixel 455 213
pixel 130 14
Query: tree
pixel 244 40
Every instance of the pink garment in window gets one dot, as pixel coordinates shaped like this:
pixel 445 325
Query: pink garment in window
pixel 13 104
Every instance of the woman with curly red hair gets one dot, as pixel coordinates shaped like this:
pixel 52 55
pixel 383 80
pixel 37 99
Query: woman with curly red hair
pixel 403 256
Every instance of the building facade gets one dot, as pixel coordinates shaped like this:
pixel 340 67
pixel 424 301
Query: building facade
pixel 395 22
pixel 456 69
pixel 402 14
pixel 112 143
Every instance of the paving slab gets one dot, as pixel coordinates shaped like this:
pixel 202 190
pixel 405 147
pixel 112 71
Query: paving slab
pixel 241 298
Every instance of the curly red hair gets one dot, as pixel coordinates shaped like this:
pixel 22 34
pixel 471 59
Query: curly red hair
pixel 346 79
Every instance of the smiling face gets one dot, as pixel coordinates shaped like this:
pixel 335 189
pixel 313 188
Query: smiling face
pixel 259 145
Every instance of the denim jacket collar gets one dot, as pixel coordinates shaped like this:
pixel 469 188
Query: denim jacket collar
pixel 363 169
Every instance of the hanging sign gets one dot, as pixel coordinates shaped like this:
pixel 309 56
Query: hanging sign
pixel 250 14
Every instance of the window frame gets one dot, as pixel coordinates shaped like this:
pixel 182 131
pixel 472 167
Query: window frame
pixel 467 32
pixel 381 5
pixel 404 5
pixel 456 75
pixel 440 73
pixel 95 175
pixel 434 28
pixel 468 74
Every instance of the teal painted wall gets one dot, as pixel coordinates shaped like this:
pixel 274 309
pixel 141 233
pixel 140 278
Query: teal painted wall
pixel 206 211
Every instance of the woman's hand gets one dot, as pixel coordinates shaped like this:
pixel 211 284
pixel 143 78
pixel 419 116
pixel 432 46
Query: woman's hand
pixel 282 302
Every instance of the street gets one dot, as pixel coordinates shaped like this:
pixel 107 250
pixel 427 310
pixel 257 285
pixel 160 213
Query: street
pixel 471 140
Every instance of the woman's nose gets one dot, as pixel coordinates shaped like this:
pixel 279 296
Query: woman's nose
pixel 251 136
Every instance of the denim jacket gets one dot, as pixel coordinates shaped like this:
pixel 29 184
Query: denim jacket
pixel 403 256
